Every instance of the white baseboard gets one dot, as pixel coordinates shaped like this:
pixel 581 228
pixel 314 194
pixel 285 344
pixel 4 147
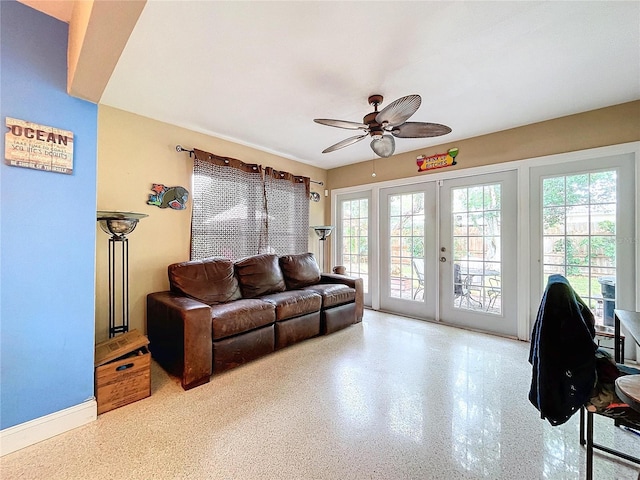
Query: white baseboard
pixel 39 429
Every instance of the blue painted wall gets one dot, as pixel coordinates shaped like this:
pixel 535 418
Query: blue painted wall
pixel 47 230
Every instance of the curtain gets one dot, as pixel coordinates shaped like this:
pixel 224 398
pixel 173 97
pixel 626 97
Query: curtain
pixel 287 207
pixel 241 209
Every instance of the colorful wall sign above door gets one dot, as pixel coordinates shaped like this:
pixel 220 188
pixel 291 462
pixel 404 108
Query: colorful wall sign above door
pixel 439 160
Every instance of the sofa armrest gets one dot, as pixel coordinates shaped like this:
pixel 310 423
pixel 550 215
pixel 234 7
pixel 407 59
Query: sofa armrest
pixel 352 282
pixel 179 331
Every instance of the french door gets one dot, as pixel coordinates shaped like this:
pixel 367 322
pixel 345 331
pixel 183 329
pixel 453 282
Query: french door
pixel 407 246
pixel 477 252
pixel 582 227
pixel 353 236
pixel 448 251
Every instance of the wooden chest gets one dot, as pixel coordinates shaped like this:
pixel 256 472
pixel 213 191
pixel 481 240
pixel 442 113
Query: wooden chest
pixel 123 371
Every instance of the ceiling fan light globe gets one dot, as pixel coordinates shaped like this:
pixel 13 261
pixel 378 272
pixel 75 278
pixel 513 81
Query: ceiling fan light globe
pixel 384 147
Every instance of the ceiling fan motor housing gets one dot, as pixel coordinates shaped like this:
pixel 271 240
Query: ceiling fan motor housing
pixel 375 129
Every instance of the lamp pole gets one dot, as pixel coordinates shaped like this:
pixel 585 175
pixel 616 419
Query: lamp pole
pixel 123 327
pixel 118 225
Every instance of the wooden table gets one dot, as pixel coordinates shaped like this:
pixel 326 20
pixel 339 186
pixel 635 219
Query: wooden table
pixel 631 321
pixel 628 389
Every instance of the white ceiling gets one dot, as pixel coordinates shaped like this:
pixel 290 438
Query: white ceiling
pixel 258 73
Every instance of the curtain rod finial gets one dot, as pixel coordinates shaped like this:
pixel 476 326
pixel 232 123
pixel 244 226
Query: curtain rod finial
pixel 180 148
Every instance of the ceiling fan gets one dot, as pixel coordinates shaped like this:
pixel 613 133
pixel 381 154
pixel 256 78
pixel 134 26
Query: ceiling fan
pixel 391 119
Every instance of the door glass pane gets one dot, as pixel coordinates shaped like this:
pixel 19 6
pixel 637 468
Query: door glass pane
pixel 406 260
pixel 355 239
pixel 477 268
pixel 579 236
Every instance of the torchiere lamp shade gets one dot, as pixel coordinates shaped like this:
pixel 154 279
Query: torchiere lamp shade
pixel 119 224
pixel 323 231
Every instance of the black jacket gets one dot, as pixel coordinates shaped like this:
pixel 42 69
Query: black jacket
pixel 562 353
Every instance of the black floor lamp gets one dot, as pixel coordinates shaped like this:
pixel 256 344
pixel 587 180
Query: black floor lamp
pixel 118 225
pixel 322 231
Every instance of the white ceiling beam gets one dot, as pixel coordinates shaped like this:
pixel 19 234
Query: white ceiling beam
pixel 98 32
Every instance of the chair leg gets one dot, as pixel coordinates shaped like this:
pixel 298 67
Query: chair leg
pixel 589 445
pixel 418 290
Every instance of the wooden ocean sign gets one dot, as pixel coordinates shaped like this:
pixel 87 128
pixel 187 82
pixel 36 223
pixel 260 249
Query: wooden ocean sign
pixel 40 147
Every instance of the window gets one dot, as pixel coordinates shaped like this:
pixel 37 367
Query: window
pixel 579 236
pixel 406 227
pixel 354 215
pixel 476 221
pixel 242 209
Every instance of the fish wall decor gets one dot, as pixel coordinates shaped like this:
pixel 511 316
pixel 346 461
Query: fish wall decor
pixel 168 197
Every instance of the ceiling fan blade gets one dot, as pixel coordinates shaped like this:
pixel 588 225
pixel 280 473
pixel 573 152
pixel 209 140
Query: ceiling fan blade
pixel 344 143
pixel 384 147
pixel 399 111
pixel 341 123
pixel 419 130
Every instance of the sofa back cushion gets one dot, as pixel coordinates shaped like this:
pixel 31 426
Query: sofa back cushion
pixel 299 270
pixel 212 280
pixel 259 275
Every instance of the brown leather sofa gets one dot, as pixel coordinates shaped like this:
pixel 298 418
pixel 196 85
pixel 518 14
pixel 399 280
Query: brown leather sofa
pixel 220 314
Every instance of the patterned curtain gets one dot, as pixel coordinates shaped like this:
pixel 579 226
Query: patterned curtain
pixel 240 209
pixel 287 206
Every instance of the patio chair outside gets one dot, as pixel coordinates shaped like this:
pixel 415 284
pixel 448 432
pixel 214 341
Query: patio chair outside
pixel 418 266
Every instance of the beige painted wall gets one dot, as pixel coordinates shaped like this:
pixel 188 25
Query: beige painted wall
pixel 133 153
pixel 597 128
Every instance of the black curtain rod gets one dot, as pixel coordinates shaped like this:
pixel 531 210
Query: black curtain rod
pixel 180 148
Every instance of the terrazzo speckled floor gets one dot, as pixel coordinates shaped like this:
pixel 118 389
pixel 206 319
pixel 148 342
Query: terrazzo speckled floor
pixel 391 398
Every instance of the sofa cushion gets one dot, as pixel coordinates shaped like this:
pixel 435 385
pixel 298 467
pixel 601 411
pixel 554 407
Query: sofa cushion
pixel 333 293
pixel 294 303
pixel 259 275
pixel 299 270
pixel 243 315
pixel 211 280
